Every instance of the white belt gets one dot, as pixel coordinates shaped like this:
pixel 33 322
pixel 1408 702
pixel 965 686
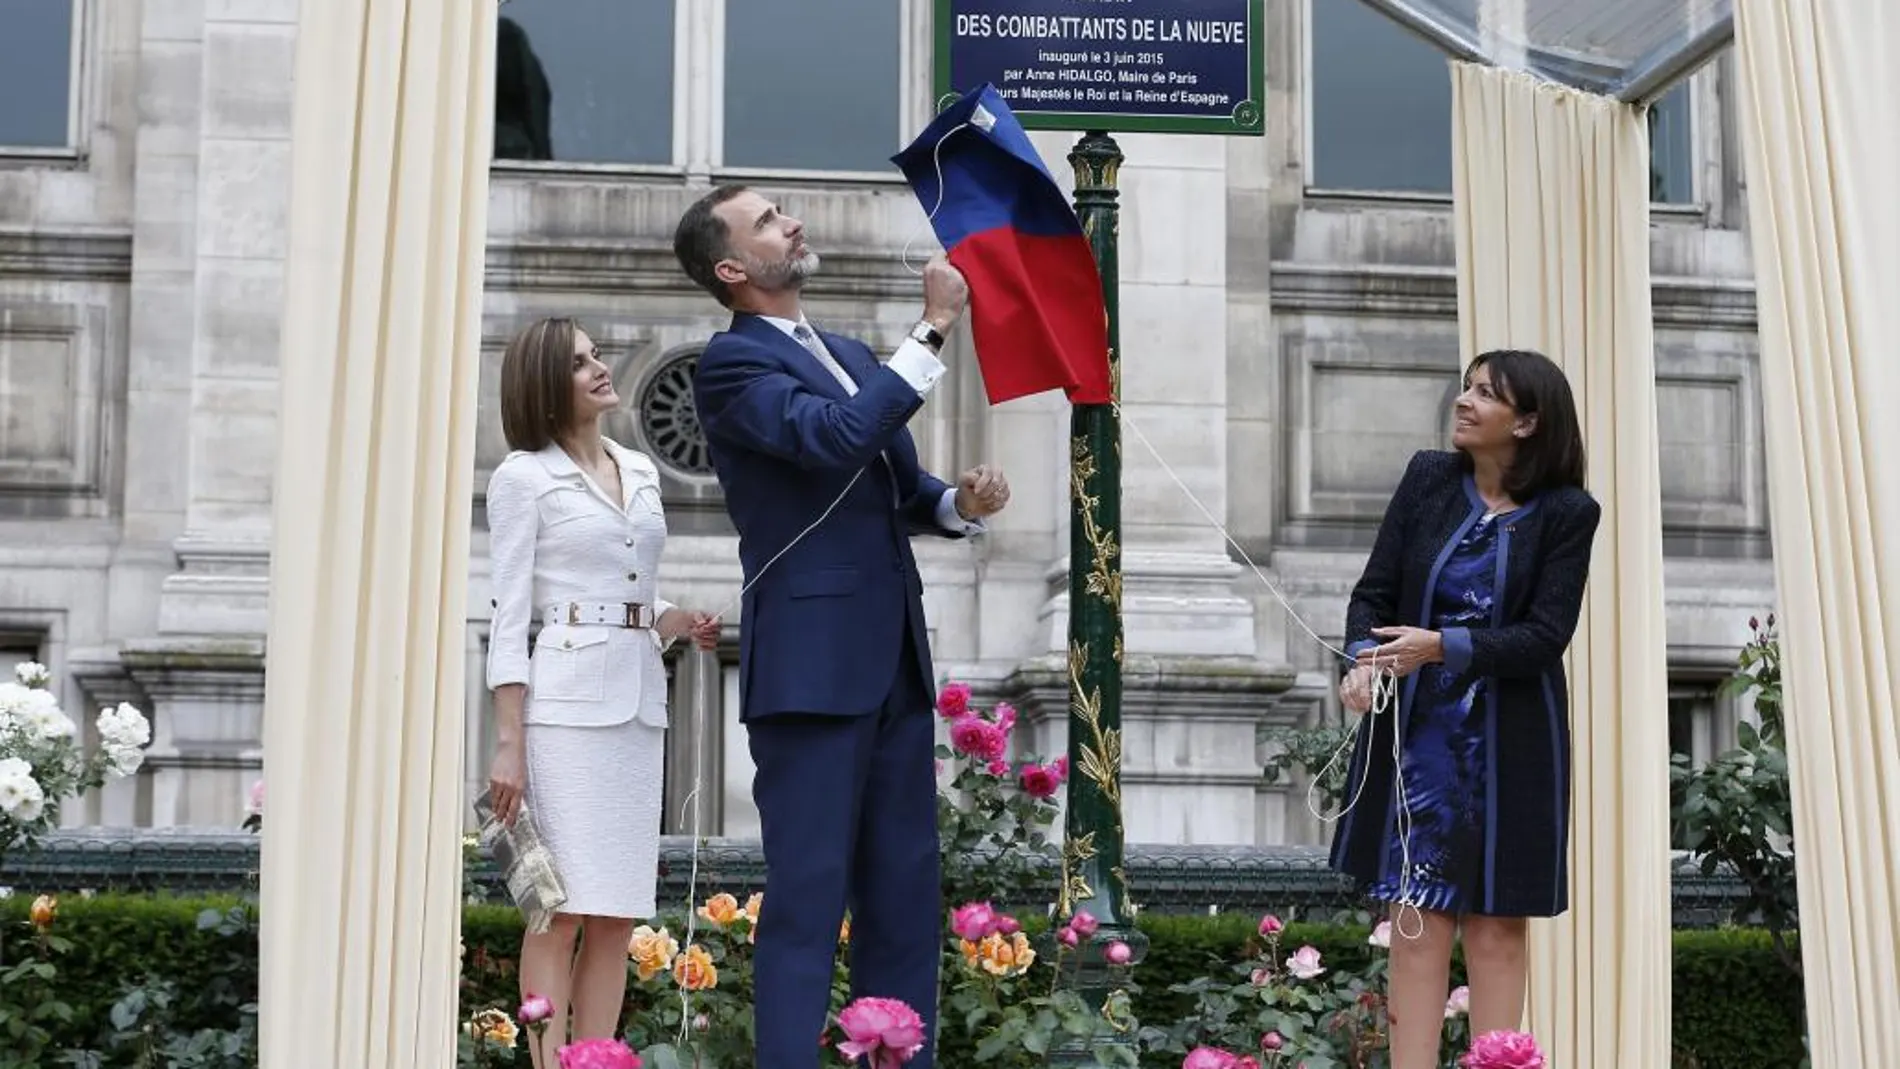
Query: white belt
pixel 599 614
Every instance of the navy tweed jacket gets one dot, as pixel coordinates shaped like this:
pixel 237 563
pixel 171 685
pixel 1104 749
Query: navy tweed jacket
pixel 1544 562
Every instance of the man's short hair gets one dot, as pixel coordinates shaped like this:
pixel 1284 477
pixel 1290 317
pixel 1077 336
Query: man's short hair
pixel 700 242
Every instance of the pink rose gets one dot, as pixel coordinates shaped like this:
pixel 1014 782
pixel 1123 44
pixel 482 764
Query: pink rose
pixel 1272 1041
pixel 1208 1058
pixel 1061 765
pixel 1118 953
pixel 1248 1062
pixel 1261 978
pixel 255 805
pixel 999 768
pixel 1084 923
pixel 1270 925
pixel 1459 1003
pixel 598 1054
pixel 978 738
pixel 1005 716
pixel 1304 963
pixel 974 921
pixel 953 700
pixel 1066 936
pixel 534 1009
pixel 1041 781
pixel 1381 936
pixel 884 1031
pixel 1503 1050
pixel 1007 925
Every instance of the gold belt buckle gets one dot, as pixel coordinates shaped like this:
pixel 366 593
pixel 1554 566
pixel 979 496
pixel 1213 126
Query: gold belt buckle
pixel 573 614
pixel 633 614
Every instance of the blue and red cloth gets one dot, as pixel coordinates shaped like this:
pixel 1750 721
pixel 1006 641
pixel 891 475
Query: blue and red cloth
pixel 1036 304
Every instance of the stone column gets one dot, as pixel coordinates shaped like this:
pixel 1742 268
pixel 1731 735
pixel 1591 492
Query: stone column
pixel 696 750
pixel 208 292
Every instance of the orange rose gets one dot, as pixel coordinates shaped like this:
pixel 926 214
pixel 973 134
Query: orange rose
pixel 652 951
pixel 999 955
pixel 45 908
pixel 753 905
pixel 493 1026
pixel 844 931
pixel 695 971
pixel 972 954
pixel 721 909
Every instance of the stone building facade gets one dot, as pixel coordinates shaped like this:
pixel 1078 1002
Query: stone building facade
pixel 1289 337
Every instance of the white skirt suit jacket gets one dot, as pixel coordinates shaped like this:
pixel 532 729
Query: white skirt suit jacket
pixel 596 711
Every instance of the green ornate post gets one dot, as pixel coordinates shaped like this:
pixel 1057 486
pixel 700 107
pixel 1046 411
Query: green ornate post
pixel 1093 879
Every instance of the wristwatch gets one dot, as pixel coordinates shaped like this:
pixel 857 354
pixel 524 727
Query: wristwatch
pixel 926 334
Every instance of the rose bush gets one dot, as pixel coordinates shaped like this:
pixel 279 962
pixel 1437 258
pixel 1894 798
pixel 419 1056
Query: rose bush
pixel 43 764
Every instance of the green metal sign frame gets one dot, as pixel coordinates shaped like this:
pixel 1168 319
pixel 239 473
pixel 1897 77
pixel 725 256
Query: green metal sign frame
pixel 1248 117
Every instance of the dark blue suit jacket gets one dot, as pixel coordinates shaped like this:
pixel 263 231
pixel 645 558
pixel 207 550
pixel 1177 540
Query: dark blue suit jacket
pixel 822 627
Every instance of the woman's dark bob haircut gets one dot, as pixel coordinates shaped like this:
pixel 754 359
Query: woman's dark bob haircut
pixel 1551 456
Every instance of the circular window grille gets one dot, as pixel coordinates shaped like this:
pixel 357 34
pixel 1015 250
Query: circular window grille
pixel 668 420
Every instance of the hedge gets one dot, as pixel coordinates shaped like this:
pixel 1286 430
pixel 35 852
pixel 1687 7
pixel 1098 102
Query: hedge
pixel 1735 1005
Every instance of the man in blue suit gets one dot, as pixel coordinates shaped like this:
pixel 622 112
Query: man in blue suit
pixel 821 478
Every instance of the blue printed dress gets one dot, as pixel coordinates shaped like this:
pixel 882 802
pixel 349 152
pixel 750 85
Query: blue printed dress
pixel 1443 761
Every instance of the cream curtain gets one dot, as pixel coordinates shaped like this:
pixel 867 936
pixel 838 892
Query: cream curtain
pixel 1551 195
pixel 364 691
pixel 1819 92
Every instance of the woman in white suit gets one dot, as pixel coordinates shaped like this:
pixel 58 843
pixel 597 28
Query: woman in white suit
pixel 575 536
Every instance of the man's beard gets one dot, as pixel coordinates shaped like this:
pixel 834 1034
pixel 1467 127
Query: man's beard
pixel 787 274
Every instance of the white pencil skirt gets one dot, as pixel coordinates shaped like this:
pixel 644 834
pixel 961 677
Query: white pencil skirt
pixel 595 794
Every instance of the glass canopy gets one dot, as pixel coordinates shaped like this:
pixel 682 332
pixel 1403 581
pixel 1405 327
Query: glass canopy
pixel 1629 49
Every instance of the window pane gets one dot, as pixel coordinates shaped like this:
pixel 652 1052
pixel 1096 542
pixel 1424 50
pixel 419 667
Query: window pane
pixel 1671 176
pixel 1381 103
pixel 1382 111
pixel 36 73
pixel 587 81
pixel 817 91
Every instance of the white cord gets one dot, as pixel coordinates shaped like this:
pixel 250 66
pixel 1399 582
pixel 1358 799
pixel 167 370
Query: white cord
pixel 796 539
pixel 936 161
pixel 1384 684
pixel 699 775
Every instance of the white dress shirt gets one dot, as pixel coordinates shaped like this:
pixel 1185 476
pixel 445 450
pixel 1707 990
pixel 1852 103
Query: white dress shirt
pixel 916 365
pixel 554 538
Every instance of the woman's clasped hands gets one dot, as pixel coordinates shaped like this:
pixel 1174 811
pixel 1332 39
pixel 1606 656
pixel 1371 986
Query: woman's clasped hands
pixel 677 623
pixel 1406 650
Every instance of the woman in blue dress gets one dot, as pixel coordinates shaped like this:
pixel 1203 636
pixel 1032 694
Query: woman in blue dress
pixel 1468 600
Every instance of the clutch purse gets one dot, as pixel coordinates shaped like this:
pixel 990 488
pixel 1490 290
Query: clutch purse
pixel 526 863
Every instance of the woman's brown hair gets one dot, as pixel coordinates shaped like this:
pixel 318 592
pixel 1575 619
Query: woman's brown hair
pixel 537 384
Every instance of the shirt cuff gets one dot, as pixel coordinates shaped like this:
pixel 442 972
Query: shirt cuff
pixel 660 606
pixel 917 365
pixel 949 520
pixel 1457 644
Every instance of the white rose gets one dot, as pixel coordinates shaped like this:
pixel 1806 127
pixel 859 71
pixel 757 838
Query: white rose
pixel 32 674
pixel 49 723
pixel 124 726
pixel 123 760
pixel 1304 963
pixel 13 699
pixel 14 768
pixel 1381 935
pixel 32 808
pixel 21 798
